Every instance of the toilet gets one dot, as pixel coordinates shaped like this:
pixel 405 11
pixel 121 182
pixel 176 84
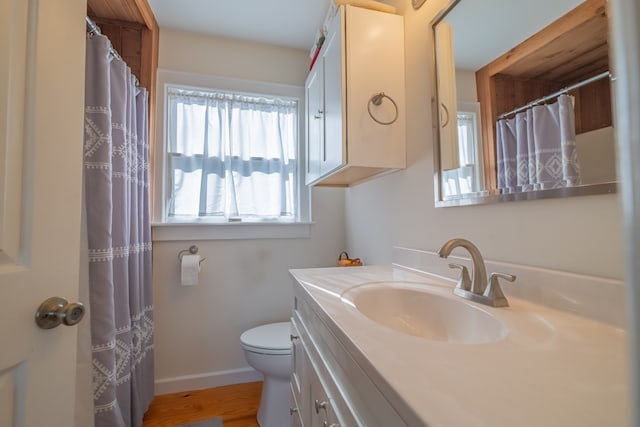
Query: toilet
pixel 268 350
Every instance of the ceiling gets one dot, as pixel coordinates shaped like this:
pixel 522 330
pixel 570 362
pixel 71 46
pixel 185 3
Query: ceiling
pixel 511 22
pixel 290 23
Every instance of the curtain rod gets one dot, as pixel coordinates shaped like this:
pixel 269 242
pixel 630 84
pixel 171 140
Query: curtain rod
pixel 585 82
pixel 96 30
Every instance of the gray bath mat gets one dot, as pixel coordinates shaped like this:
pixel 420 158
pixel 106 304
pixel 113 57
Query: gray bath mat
pixel 214 422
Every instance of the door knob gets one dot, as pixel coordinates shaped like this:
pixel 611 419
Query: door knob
pixel 56 310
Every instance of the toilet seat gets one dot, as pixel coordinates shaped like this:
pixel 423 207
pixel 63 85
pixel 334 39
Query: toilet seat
pixel 274 338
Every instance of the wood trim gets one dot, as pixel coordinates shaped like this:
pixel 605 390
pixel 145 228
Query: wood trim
pixel 583 14
pixel 149 67
pixel 137 13
pixel 126 39
pixel 150 49
pixel 124 10
pixel 145 11
pixel 486 88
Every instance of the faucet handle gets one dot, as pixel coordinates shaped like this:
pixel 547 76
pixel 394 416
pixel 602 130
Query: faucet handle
pixel 464 282
pixel 493 277
pixel 493 291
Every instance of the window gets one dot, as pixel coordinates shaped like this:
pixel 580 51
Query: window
pixel 230 156
pixel 467 137
pixel 468 178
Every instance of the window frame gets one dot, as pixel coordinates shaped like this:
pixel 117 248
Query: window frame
pixel 199 229
pixel 473 109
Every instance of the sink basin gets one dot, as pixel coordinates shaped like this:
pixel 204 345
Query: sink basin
pixel 427 315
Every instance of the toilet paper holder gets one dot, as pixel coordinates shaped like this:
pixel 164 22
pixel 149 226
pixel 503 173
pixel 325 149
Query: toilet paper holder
pixel 193 249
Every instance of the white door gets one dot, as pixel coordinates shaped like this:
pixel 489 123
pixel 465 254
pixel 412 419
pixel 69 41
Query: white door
pixel 41 127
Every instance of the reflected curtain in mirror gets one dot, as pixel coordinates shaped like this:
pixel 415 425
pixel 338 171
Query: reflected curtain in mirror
pixel 537 148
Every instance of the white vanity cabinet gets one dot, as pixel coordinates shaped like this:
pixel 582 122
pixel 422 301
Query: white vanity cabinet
pixel 328 387
pixel 310 401
pixel 362 56
pixel 300 393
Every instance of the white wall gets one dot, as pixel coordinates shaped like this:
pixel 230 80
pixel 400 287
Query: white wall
pixel 466 90
pixel 243 283
pixel 579 234
pixel 190 52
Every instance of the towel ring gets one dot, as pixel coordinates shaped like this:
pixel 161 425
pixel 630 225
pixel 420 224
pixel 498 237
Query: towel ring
pixel 377 100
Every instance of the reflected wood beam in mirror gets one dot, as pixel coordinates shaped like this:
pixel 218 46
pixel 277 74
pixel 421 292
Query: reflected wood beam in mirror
pixel 571 48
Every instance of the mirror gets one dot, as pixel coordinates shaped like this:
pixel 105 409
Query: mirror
pixel 523 101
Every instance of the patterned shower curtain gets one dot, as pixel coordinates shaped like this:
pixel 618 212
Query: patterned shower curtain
pixel 116 160
pixel 537 148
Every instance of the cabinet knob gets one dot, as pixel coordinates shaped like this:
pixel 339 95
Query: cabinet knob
pixel 320 405
pixel 293 411
pixel 294 337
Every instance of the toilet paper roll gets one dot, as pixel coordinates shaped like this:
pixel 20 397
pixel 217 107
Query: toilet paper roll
pixel 189 270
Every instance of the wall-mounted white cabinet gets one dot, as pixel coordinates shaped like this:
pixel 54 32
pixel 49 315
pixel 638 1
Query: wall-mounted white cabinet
pixel 351 135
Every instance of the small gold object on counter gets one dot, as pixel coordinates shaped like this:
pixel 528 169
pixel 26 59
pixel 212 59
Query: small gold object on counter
pixel 345 261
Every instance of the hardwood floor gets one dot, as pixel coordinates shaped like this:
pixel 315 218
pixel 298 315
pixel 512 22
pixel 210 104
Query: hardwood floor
pixel 237 405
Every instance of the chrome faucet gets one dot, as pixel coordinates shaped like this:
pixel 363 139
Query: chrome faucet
pixel 476 289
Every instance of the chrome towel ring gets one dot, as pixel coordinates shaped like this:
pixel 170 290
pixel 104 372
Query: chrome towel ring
pixel 377 100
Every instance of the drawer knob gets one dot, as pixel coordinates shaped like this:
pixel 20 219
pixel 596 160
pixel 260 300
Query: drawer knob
pixel 320 405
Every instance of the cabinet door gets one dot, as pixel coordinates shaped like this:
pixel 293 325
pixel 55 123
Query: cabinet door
pixel 295 412
pixel 315 122
pixel 319 402
pixel 447 108
pixel 323 413
pixel 300 383
pixel 332 417
pixel 335 153
pixel 297 361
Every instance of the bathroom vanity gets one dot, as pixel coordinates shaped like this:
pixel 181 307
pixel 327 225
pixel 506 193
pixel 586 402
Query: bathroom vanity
pixel 329 387
pixel 392 346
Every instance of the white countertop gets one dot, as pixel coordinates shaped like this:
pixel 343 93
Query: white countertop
pixel 553 368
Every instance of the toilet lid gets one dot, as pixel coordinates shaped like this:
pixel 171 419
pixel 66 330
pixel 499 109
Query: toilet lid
pixel 274 338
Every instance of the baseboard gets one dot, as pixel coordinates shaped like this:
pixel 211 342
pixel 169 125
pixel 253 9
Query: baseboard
pixel 206 380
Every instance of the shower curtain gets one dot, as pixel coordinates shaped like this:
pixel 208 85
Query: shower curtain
pixel 537 148
pixel 116 154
